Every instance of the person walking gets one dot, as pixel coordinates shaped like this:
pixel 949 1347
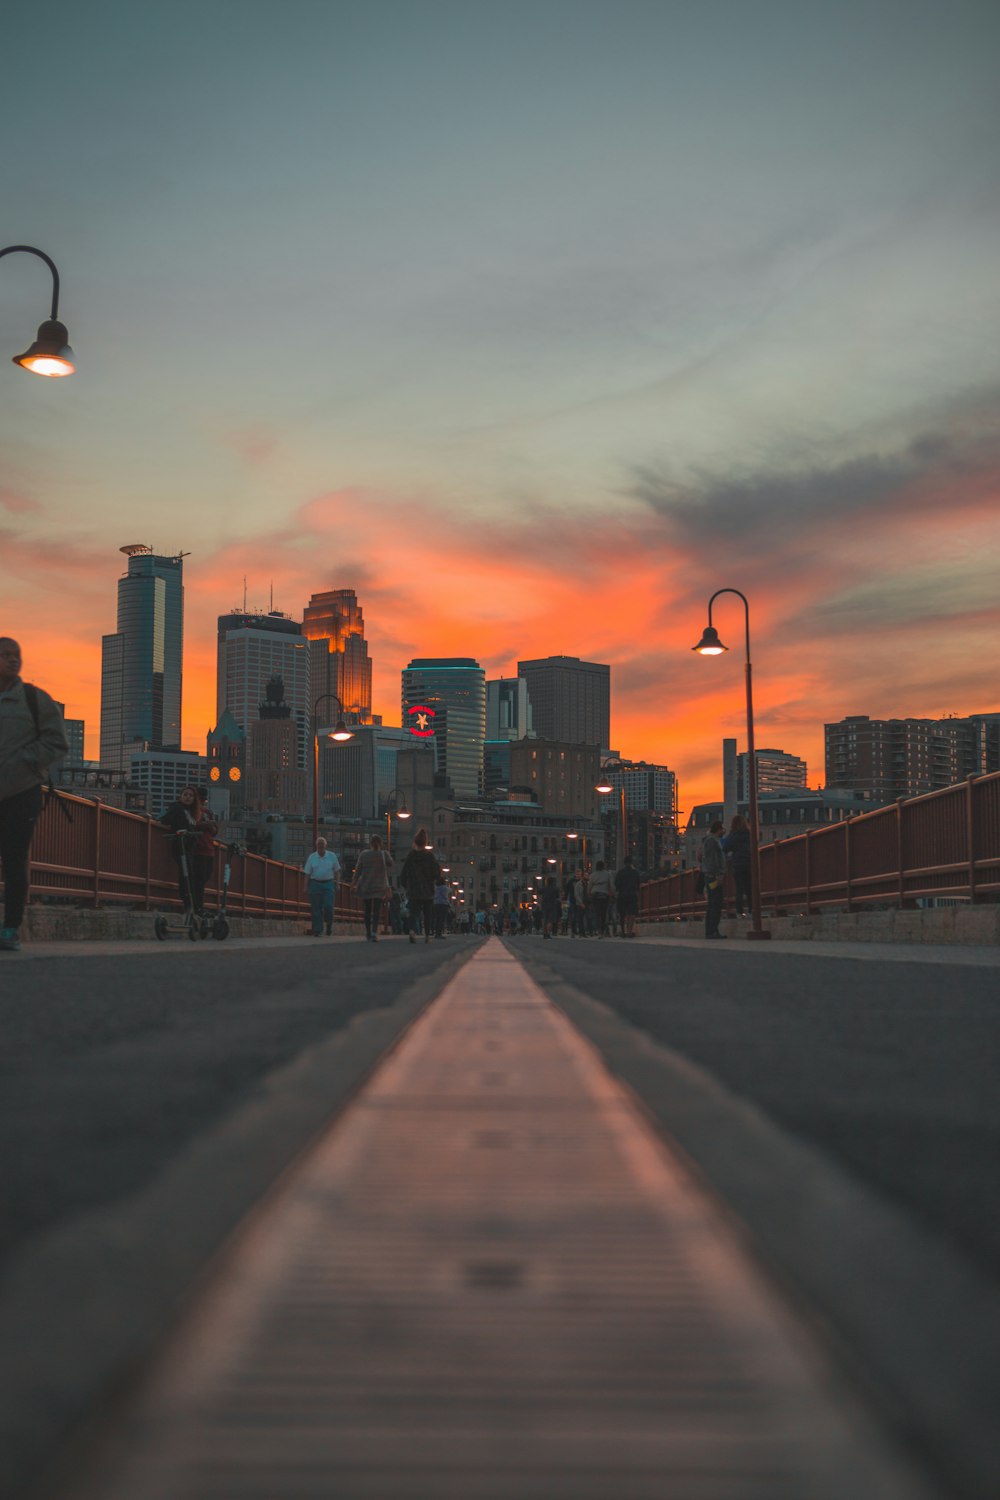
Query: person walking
pixel 713 869
pixel 551 908
pixel 322 870
pixel 602 883
pixel 32 738
pixel 442 907
pixel 627 895
pixel 736 847
pixel 581 902
pixel 371 883
pixel 418 877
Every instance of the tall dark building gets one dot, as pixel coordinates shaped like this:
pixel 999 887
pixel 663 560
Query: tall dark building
pixel 141 664
pixel 338 652
pixel 252 648
pixel 570 699
pixel 444 705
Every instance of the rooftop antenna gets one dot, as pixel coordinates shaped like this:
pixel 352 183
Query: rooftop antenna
pixel 244 593
pixel 272 596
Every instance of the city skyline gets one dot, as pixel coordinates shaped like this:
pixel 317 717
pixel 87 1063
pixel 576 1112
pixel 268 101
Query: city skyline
pixel 535 327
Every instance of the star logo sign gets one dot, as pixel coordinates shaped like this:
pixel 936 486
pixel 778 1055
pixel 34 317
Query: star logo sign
pixel 421 721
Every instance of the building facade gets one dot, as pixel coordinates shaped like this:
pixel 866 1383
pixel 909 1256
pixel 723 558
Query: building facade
pixel 253 648
pixel 508 709
pixel 163 775
pixel 142 663
pixel 777 771
pixel 570 699
pixel 340 666
pixel 561 776
pixel 499 854
pixel 444 705
pixel 883 759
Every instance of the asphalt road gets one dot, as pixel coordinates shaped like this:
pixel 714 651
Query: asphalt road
pixel 890 1067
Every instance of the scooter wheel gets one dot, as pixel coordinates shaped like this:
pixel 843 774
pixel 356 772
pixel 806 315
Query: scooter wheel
pixel 204 928
pixel 220 929
pixel 193 928
pixel 160 928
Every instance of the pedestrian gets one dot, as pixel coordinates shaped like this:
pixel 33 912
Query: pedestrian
pixel 602 883
pixel 442 907
pixel 183 818
pixel 32 738
pixel 627 895
pixel 203 861
pixel 371 883
pixel 322 870
pixel 736 847
pixel 713 869
pixel 551 908
pixel 580 903
pixel 418 877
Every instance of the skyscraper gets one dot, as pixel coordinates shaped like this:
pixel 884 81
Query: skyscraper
pixel 253 648
pixel 338 652
pixel 444 705
pixel 570 699
pixel 141 664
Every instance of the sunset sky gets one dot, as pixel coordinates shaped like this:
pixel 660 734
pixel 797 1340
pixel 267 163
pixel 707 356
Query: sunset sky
pixel 533 323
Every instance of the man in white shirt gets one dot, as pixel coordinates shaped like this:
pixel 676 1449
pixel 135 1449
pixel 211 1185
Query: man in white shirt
pixel 321 871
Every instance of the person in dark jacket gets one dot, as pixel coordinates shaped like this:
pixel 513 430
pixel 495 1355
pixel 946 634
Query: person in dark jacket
pixel 32 738
pixel 371 883
pixel 418 877
pixel 736 847
pixel 713 868
pixel 551 908
pixel 627 893
pixel 189 814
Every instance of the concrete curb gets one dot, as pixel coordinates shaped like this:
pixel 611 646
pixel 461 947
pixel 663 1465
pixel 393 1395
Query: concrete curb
pixel 956 925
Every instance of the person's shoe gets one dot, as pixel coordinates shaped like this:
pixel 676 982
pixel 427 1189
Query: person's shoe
pixel 9 940
pixel 413 937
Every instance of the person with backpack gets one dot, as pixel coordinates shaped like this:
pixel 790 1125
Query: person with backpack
pixel 371 883
pixel 32 738
pixel 418 877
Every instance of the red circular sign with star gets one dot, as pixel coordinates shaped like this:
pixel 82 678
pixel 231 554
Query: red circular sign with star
pixel 421 721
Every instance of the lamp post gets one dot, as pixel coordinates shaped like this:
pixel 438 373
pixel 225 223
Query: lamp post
pixel 401 812
pixel 604 786
pixel 340 732
pixel 710 645
pixel 50 354
pixel 583 837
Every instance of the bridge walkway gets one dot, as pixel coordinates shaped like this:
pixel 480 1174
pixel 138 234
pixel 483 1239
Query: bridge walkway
pixel 492 1279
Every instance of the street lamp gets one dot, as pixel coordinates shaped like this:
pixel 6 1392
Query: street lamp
pixel 401 812
pixel 710 645
pixel 340 732
pixel 604 786
pixel 583 836
pixel 50 354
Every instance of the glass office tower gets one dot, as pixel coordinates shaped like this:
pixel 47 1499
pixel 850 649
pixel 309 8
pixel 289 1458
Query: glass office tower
pixel 444 705
pixel 141 664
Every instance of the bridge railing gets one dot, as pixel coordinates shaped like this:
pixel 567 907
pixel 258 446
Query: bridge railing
pixel 106 856
pixel 944 844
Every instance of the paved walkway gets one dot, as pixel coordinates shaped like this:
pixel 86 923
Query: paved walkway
pixel 490 1280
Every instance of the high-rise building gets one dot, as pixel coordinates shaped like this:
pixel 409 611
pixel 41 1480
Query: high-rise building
pixel 883 759
pixel 357 777
pixel 570 699
pixel 648 788
pixel 444 704
pixel 141 664
pixel 163 775
pixel 251 650
pixel 508 709
pixel 777 771
pixel 562 776
pixel 339 660
pixel 275 782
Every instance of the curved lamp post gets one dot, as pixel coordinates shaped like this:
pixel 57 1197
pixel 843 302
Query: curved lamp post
pixel 340 732
pixel 50 354
pixel 710 645
pixel 604 786
pixel 401 811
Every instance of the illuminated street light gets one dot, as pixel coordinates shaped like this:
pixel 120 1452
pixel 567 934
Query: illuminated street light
pixel 50 354
pixel 340 733
pixel 391 807
pixel 605 786
pixel 710 645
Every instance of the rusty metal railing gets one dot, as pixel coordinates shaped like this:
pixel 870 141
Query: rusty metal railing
pixel 108 857
pixel 944 844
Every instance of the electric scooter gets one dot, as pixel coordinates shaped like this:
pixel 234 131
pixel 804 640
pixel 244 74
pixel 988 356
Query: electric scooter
pixel 190 922
pixel 219 924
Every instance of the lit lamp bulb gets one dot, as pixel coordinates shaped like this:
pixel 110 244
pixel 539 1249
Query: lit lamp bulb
pixel 341 732
pixel 50 354
pixel 710 645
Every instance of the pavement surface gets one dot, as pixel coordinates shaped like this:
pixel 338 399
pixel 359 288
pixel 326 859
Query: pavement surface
pixel 838 1107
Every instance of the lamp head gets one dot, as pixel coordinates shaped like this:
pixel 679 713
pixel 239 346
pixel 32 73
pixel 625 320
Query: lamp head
pixel 604 786
pixel 710 645
pixel 403 812
pixel 340 732
pixel 50 354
